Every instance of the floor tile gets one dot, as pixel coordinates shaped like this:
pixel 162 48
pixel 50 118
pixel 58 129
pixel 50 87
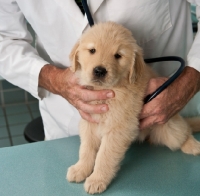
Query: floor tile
pixel 17 129
pixel 16 109
pixel 14 97
pixel 34 106
pixel 2 121
pixel 36 114
pixel 3 132
pixel 1 102
pixel 7 85
pixel 4 142
pixel 30 97
pixel 19 140
pixel 19 119
pixel 1 83
pixel 1 112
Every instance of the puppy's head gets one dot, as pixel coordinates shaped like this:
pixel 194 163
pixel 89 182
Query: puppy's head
pixel 107 55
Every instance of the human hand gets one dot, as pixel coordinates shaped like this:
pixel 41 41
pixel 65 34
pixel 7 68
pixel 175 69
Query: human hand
pixel 171 100
pixel 156 111
pixel 65 83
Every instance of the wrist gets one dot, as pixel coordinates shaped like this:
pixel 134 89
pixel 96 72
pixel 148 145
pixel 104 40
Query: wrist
pixel 49 78
pixel 192 78
pixel 187 84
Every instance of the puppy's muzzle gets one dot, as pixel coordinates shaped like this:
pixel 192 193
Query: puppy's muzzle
pixel 99 72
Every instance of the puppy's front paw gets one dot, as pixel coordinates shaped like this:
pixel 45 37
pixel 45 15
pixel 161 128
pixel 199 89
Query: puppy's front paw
pixel 77 173
pixel 94 185
pixel 191 146
pixel 193 149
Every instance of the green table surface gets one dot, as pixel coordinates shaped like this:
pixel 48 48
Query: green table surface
pixel 39 169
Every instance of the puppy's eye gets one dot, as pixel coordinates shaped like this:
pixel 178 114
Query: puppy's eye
pixel 118 56
pixel 92 51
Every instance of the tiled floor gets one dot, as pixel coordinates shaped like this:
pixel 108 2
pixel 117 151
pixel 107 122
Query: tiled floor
pixel 17 108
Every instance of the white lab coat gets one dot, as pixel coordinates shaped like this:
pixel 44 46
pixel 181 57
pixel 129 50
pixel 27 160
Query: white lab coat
pixel 161 28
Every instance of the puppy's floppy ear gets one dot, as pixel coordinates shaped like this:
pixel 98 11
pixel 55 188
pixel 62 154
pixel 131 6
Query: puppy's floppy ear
pixel 137 66
pixel 74 57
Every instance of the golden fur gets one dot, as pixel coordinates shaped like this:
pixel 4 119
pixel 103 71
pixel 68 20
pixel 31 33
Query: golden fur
pixel 103 145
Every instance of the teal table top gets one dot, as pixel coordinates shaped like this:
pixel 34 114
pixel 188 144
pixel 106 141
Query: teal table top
pixel 39 169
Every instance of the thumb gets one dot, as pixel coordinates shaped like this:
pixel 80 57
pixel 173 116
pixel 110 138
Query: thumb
pixel 146 122
pixel 146 111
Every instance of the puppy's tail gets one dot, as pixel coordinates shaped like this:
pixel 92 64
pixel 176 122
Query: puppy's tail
pixel 194 122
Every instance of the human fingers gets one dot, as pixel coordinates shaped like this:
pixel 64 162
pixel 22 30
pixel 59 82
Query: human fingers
pixel 87 117
pixel 91 108
pixel 153 120
pixel 148 109
pixel 93 95
pixel 79 97
pixel 146 122
pixel 155 83
pixel 151 108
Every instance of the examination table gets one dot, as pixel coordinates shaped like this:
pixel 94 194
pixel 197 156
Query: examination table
pixel 39 169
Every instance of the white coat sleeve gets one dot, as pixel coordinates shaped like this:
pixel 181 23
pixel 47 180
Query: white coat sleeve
pixel 193 57
pixel 19 62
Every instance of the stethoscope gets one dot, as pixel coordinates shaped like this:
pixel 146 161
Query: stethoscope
pixel 151 96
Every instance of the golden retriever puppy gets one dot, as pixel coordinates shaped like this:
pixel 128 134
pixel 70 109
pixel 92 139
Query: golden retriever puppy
pixel 107 57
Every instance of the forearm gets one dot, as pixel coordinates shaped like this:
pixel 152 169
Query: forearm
pixel 185 86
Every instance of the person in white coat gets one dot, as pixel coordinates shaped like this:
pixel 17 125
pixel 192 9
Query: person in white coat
pixel 161 28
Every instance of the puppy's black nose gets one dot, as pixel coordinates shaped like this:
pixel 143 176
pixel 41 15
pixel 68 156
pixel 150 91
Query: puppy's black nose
pixel 99 71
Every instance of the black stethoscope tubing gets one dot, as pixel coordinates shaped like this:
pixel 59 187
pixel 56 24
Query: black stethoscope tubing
pixel 148 98
pixel 87 11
